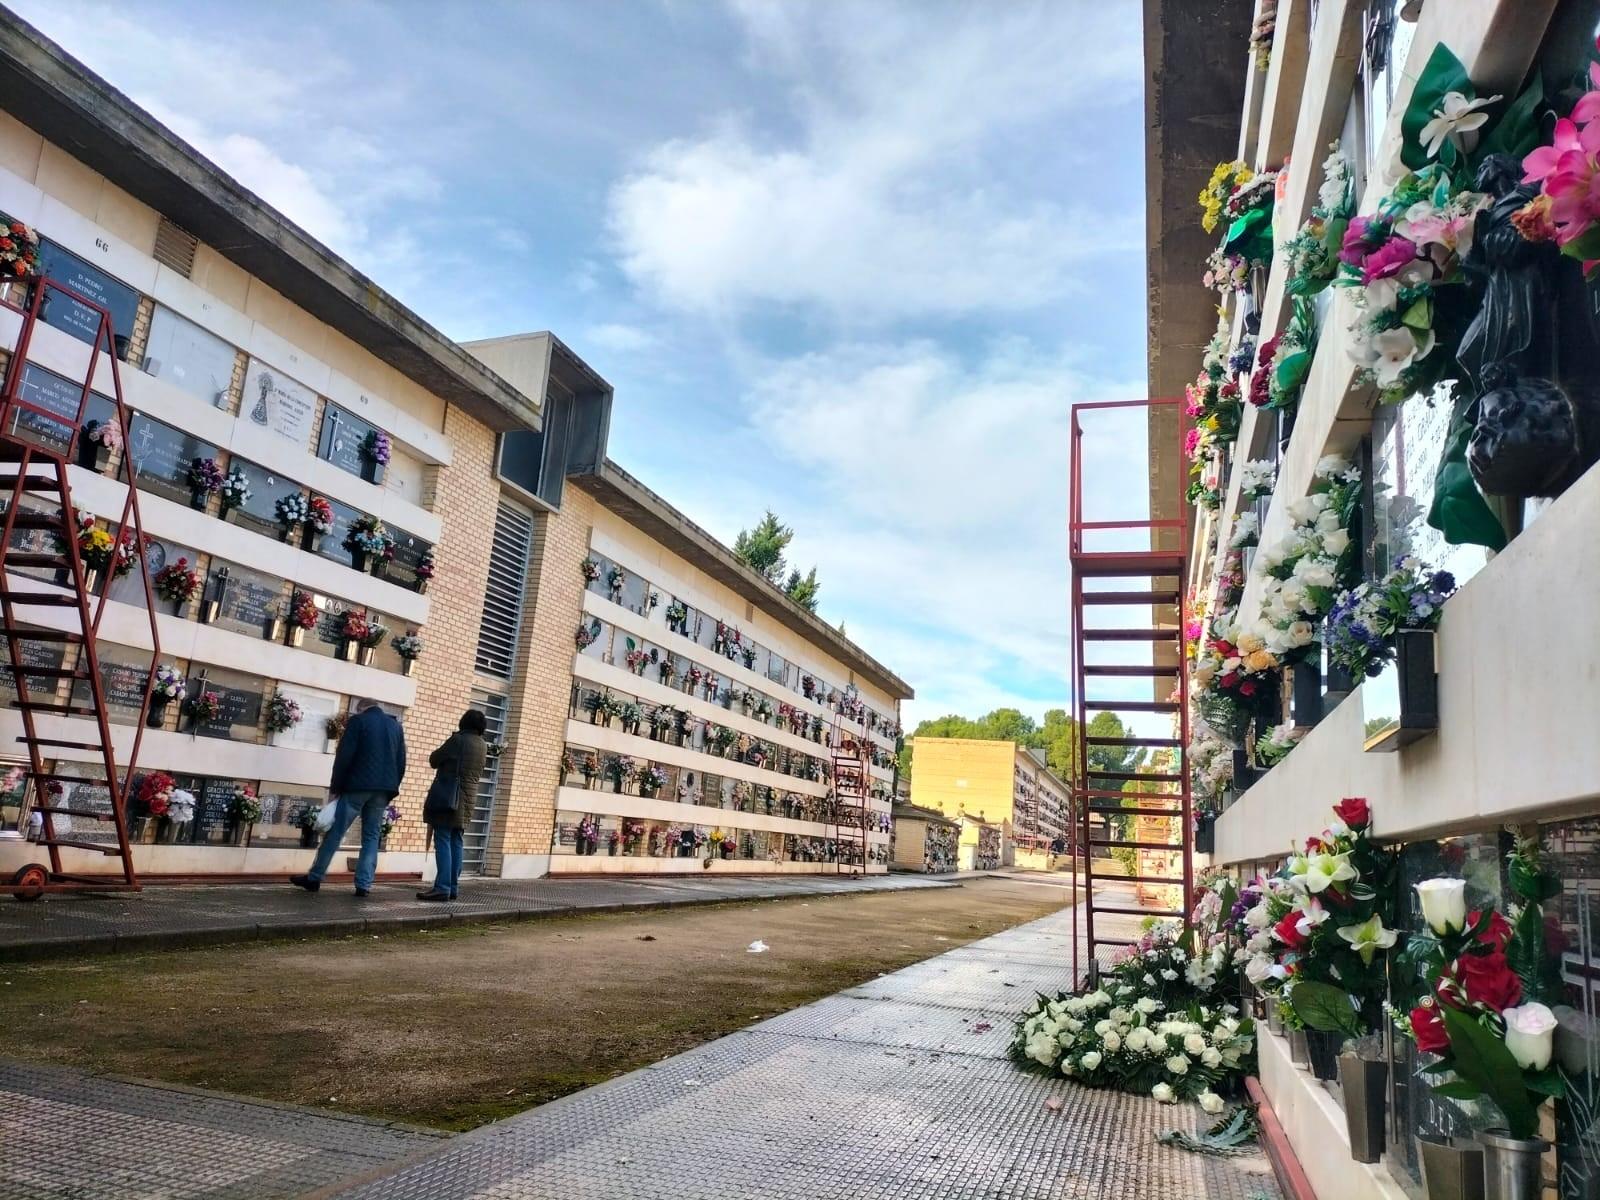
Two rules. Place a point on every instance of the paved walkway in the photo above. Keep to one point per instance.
(73, 1135)
(60, 925)
(896, 1089)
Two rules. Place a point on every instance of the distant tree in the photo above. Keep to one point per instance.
(803, 589)
(762, 547)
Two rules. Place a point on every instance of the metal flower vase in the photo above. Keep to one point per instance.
(1364, 1083)
(1323, 1049)
(1453, 1169)
(1299, 1051)
(1511, 1166)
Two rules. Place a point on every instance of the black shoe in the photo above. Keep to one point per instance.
(434, 896)
(362, 892)
(305, 881)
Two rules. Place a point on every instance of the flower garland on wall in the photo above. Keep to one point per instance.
(1166, 1021)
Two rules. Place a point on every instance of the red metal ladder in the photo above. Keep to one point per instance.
(36, 445)
(1149, 575)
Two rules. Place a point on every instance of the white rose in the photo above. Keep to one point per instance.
(1147, 1004)
(1112, 1042)
(1162, 1093)
(1194, 1043)
(1090, 1061)
(1178, 1064)
(1258, 917)
(1211, 1057)
(1336, 542)
(1149, 979)
(1444, 904)
(1137, 1038)
(1101, 1028)
(1168, 974)
(1530, 1030)
(1210, 1102)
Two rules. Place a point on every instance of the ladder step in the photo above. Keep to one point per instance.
(53, 672)
(102, 847)
(1150, 706)
(36, 520)
(55, 706)
(48, 599)
(1136, 812)
(1130, 635)
(33, 483)
(1124, 911)
(1119, 844)
(1110, 941)
(1132, 741)
(69, 636)
(1161, 597)
(72, 812)
(59, 778)
(20, 558)
(1135, 671)
(69, 745)
(1132, 565)
(1096, 876)
(1103, 794)
(1135, 777)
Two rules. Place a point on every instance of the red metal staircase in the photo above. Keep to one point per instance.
(852, 784)
(1117, 565)
(63, 708)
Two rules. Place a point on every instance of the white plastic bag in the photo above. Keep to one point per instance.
(325, 816)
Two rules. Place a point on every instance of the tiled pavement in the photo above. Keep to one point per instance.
(72, 1135)
(68, 925)
(894, 1090)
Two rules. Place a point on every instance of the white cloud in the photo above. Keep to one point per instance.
(903, 187)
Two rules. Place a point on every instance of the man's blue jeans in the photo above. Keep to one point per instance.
(448, 845)
(369, 806)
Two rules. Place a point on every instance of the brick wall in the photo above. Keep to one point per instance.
(542, 682)
(465, 496)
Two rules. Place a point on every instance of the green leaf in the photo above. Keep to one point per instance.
(1324, 1007)
(1457, 1089)
(1585, 246)
(1459, 510)
(630, 643)
(1547, 1082)
(1482, 1059)
(1419, 316)
(1517, 130)
(1444, 73)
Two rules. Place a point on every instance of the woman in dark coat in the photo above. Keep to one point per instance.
(458, 765)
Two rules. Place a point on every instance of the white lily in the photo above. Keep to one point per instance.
(1369, 937)
(1325, 870)
(1456, 115)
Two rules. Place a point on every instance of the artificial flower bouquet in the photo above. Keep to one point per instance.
(590, 570)
(319, 515)
(1486, 984)
(303, 610)
(1312, 255)
(1280, 739)
(1364, 621)
(408, 645)
(1565, 211)
(1341, 925)
(176, 583)
(152, 793)
(369, 536)
(283, 713)
(243, 806)
(204, 708)
(1257, 479)
(19, 249)
(169, 684)
(205, 477)
(235, 489)
(1305, 570)
(377, 447)
(292, 510)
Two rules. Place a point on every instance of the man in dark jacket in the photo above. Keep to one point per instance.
(367, 771)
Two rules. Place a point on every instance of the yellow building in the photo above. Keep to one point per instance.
(995, 783)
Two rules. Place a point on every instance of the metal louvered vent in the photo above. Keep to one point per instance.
(175, 247)
(502, 598)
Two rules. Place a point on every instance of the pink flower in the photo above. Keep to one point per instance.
(1574, 187)
(1191, 439)
(1538, 165)
(1388, 259)
(1360, 236)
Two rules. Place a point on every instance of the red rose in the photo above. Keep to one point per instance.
(1354, 812)
(1496, 934)
(1427, 1026)
(1288, 932)
(1313, 845)
(1488, 980)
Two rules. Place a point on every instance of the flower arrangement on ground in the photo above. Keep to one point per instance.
(1364, 621)
(204, 708)
(283, 714)
(19, 249)
(1486, 984)
(1163, 1022)
(176, 583)
(408, 645)
(235, 489)
(205, 477)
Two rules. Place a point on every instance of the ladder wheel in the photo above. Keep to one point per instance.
(29, 881)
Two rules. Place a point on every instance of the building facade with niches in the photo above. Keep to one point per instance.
(316, 456)
(1340, 449)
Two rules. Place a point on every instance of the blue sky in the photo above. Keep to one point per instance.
(850, 261)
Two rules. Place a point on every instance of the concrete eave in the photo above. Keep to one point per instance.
(643, 508)
(901, 811)
(72, 107)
